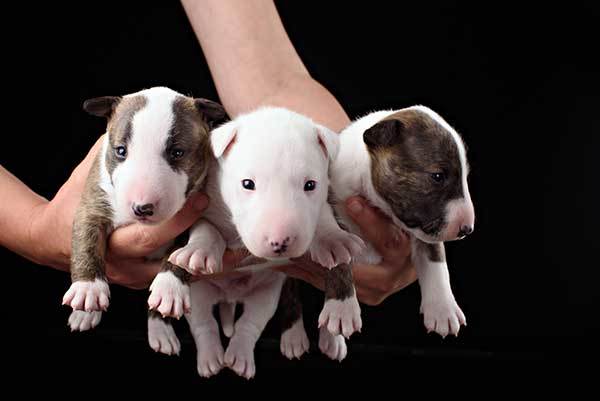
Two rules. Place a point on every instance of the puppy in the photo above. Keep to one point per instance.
(268, 191)
(155, 153)
(412, 165)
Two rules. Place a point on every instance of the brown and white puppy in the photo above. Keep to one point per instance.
(156, 151)
(412, 165)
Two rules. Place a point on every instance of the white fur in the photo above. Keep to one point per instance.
(81, 320)
(169, 295)
(88, 295)
(334, 346)
(162, 338)
(294, 341)
(341, 316)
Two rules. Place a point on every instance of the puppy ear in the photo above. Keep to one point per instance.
(222, 138)
(102, 106)
(213, 113)
(329, 141)
(384, 133)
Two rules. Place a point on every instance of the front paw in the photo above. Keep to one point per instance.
(443, 316)
(341, 316)
(81, 320)
(332, 346)
(169, 295)
(88, 295)
(336, 248)
(239, 356)
(199, 257)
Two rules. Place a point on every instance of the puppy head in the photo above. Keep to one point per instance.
(157, 151)
(419, 168)
(274, 166)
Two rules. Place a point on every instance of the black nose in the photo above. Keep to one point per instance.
(143, 210)
(465, 230)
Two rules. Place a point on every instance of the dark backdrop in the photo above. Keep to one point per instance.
(518, 82)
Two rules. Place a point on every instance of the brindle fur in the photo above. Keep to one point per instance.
(405, 149)
(435, 252)
(290, 305)
(339, 283)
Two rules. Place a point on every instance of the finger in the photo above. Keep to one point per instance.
(233, 258)
(377, 228)
(304, 274)
(374, 283)
(136, 274)
(137, 240)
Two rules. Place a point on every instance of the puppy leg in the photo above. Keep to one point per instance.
(170, 291)
(203, 252)
(161, 336)
(204, 328)
(80, 320)
(341, 311)
(332, 346)
(294, 341)
(331, 245)
(259, 308)
(440, 311)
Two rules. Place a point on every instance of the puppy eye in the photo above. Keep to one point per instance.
(248, 184)
(121, 152)
(310, 185)
(438, 177)
(177, 154)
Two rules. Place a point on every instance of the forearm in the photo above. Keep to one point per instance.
(18, 206)
(253, 62)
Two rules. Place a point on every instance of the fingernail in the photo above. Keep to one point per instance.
(355, 207)
(200, 202)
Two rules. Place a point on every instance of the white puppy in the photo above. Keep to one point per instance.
(268, 191)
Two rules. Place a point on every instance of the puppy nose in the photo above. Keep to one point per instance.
(143, 210)
(465, 230)
(280, 246)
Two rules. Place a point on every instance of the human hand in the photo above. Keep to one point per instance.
(374, 283)
(51, 230)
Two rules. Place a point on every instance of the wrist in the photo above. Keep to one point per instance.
(42, 237)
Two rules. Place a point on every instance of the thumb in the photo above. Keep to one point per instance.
(137, 240)
(375, 227)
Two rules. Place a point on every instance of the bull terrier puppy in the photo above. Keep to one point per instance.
(412, 165)
(156, 151)
(268, 193)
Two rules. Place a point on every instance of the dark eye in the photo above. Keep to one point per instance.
(121, 152)
(248, 184)
(438, 177)
(177, 154)
(310, 185)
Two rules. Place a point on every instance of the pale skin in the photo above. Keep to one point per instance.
(253, 63)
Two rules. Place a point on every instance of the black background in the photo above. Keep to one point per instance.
(518, 82)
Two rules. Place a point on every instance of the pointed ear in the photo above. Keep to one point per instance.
(222, 138)
(384, 133)
(102, 106)
(329, 141)
(213, 112)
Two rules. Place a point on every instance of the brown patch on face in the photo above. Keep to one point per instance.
(189, 135)
(408, 150)
(93, 219)
(434, 252)
(290, 304)
(119, 128)
(339, 283)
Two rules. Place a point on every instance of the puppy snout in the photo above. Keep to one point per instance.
(281, 245)
(144, 210)
(465, 230)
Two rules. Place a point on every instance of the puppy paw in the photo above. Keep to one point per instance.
(169, 296)
(239, 356)
(210, 356)
(336, 248)
(332, 346)
(200, 257)
(442, 316)
(294, 341)
(341, 316)
(162, 338)
(81, 320)
(90, 296)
